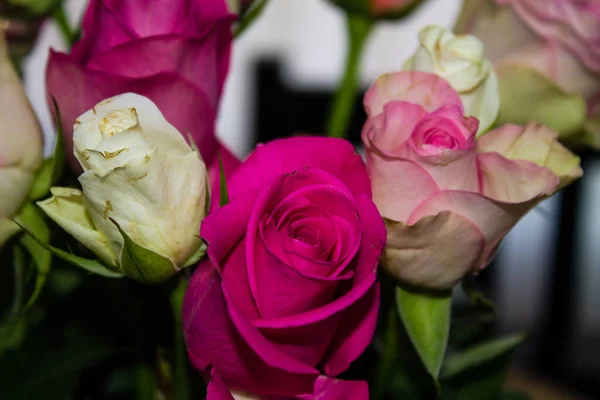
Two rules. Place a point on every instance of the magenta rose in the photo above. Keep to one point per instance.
(175, 52)
(289, 297)
(448, 199)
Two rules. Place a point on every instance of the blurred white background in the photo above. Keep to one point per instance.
(308, 36)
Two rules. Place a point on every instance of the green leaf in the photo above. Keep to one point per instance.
(92, 266)
(141, 264)
(194, 258)
(12, 333)
(223, 183)
(247, 16)
(479, 354)
(527, 95)
(469, 287)
(426, 317)
(182, 378)
(33, 218)
(53, 167)
(515, 395)
(35, 7)
(52, 375)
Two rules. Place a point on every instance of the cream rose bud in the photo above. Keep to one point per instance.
(461, 61)
(139, 173)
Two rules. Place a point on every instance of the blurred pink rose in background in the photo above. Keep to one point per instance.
(547, 57)
(290, 292)
(175, 52)
(447, 199)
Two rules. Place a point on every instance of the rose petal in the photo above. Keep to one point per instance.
(227, 251)
(335, 389)
(494, 219)
(393, 127)
(212, 338)
(434, 252)
(216, 389)
(284, 156)
(515, 181)
(203, 61)
(398, 185)
(353, 334)
(427, 90)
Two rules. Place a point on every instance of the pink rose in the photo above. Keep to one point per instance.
(175, 52)
(448, 200)
(575, 24)
(546, 54)
(289, 297)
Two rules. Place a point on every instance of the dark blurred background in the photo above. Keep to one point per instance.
(546, 278)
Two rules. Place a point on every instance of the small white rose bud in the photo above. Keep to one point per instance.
(461, 61)
(139, 176)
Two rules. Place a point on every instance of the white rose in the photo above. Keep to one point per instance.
(140, 173)
(460, 60)
(20, 144)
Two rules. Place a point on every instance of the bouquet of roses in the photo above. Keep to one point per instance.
(304, 271)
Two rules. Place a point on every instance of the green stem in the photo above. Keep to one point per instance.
(390, 349)
(60, 17)
(19, 270)
(181, 378)
(343, 103)
(145, 387)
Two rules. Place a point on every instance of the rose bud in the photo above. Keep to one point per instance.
(460, 60)
(141, 177)
(384, 9)
(547, 57)
(447, 199)
(21, 144)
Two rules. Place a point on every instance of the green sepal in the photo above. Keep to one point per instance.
(196, 256)
(224, 199)
(92, 266)
(475, 296)
(480, 354)
(248, 15)
(53, 167)
(141, 264)
(33, 218)
(426, 317)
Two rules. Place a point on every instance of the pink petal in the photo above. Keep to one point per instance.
(494, 219)
(390, 130)
(427, 90)
(213, 339)
(398, 185)
(354, 333)
(335, 389)
(514, 181)
(201, 61)
(96, 21)
(227, 251)
(216, 389)
(284, 156)
(435, 252)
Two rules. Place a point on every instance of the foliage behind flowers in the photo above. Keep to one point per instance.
(260, 280)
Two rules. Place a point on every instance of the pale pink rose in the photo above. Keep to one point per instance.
(449, 200)
(560, 39)
(575, 24)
